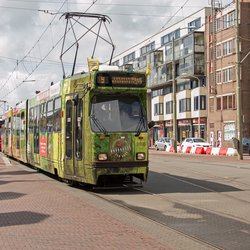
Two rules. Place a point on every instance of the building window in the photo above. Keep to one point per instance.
(177, 34)
(218, 76)
(224, 102)
(168, 38)
(228, 102)
(196, 103)
(231, 102)
(231, 18)
(224, 22)
(129, 57)
(228, 20)
(200, 102)
(148, 48)
(218, 50)
(227, 75)
(196, 24)
(169, 107)
(211, 104)
(185, 105)
(218, 21)
(218, 103)
(158, 92)
(158, 109)
(167, 90)
(203, 102)
(228, 47)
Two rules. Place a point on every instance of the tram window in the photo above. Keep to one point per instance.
(6, 132)
(57, 114)
(31, 117)
(69, 128)
(43, 118)
(18, 123)
(117, 114)
(49, 116)
(22, 123)
(36, 130)
(14, 124)
(78, 129)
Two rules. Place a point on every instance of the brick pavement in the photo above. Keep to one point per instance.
(36, 214)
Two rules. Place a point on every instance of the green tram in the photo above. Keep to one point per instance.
(89, 128)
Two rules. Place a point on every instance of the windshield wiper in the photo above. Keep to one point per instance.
(140, 125)
(98, 124)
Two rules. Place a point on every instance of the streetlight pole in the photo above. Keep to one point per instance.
(238, 84)
(185, 76)
(175, 136)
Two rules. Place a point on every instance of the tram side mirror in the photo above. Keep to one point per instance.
(151, 124)
(76, 99)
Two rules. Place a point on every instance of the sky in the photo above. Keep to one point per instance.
(32, 32)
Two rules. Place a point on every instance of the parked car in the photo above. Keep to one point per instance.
(195, 142)
(162, 143)
(246, 145)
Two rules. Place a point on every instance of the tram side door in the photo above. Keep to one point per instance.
(74, 137)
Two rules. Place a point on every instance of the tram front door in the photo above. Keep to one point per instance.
(74, 137)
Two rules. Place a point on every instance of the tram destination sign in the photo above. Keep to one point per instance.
(118, 79)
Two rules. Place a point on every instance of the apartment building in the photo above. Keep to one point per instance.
(175, 57)
(221, 73)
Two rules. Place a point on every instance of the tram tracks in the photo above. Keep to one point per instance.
(188, 208)
(188, 172)
(209, 189)
(225, 216)
(216, 177)
(206, 244)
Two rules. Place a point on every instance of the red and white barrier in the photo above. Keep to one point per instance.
(221, 151)
(170, 149)
(203, 150)
(186, 149)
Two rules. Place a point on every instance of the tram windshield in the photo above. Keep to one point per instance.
(117, 114)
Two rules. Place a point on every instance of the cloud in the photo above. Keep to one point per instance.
(132, 22)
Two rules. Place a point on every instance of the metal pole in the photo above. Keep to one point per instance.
(238, 84)
(199, 116)
(199, 100)
(174, 98)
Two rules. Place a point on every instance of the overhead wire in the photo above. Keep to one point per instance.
(40, 62)
(3, 85)
(108, 4)
(175, 14)
(94, 2)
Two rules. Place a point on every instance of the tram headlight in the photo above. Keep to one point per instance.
(140, 156)
(102, 157)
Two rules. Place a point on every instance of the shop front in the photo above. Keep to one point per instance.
(169, 129)
(185, 129)
(200, 127)
(156, 132)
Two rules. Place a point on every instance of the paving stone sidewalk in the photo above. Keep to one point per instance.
(36, 214)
